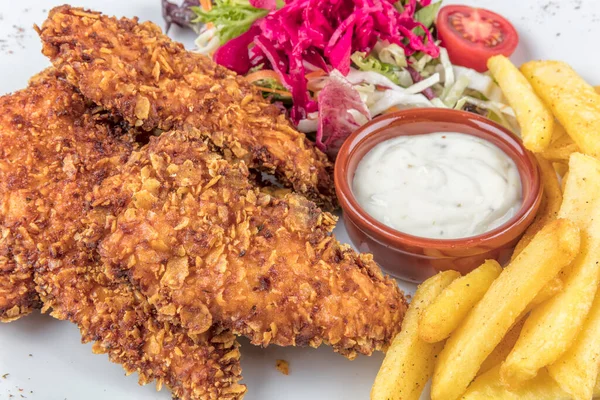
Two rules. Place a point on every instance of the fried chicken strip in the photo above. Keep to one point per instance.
(56, 150)
(140, 74)
(39, 183)
(207, 247)
(121, 322)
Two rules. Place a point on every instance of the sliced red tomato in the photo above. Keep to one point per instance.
(472, 35)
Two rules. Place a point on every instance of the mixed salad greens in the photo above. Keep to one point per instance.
(335, 64)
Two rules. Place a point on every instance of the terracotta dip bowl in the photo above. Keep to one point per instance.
(415, 258)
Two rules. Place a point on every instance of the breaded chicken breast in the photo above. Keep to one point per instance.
(55, 151)
(47, 165)
(152, 82)
(207, 247)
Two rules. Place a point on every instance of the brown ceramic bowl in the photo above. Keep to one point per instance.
(415, 258)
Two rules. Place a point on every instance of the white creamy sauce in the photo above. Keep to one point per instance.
(440, 185)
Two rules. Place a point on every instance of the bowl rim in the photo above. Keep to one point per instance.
(386, 234)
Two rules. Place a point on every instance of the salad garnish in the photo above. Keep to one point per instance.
(341, 112)
(376, 56)
(231, 18)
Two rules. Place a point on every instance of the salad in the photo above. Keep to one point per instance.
(336, 64)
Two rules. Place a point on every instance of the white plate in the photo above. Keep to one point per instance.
(44, 358)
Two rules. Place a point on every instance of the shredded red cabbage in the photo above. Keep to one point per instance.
(336, 122)
(266, 4)
(308, 34)
(234, 54)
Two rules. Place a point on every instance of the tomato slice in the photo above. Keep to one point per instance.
(472, 35)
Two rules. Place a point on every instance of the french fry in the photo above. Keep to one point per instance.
(448, 310)
(554, 246)
(501, 351)
(561, 150)
(551, 201)
(561, 168)
(576, 371)
(552, 288)
(561, 144)
(409, 361)
(504, 348)
(558, 133)
(564, 182)
(552, 327)
(573, 102)
(536, 120)
(542, 387)
(597, 89)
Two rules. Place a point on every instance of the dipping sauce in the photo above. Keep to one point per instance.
(442, 185)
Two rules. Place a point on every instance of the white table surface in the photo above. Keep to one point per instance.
(43, 357)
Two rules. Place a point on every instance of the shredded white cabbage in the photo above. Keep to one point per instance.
(453, 93)
(424, 84)
(455, 87)
(208, 41)
(393, 98)
(404, 78)
(369, 85)
(488, 104)
(309, 124)
(447, 68)
(421, 63)
(359, 117)
(505, 113)
(482, 83)
(365, 91)
(356, 77)
(391, 53)
(437, 102)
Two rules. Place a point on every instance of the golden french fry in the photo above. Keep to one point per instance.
(552, 288)
(409, 361)
(573, 102)
(448, 310)
(535, 119)
(551, 201)
(559, 132)
(542, 387)
(564, 182)
(560, 150)
(576, 371)
(597, 89)
(554, 246)
(508, 342)
(501, 351)
(551, 328)
(561, 168)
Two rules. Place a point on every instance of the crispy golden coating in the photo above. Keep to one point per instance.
(46, 166)
(17, 290)
(54, 152)
(120, 320)
(207, 247)
(140, 74)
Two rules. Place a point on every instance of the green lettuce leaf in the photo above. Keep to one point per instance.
(231, 17)
(426, 15)
(370, 63)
